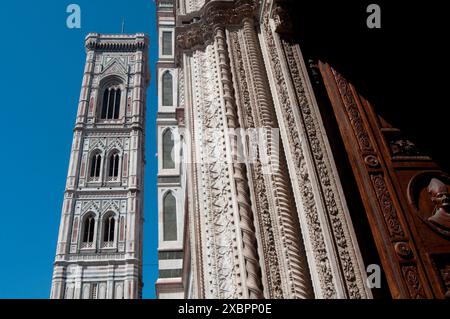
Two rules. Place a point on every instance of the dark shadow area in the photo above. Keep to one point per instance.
(401, 68)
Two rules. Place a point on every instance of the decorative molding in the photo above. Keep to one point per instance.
(323, 203)
(116, 42)
(249, 243)
(341, 225)
(314, 228)
(270, 256)
(403, 250)
(387, 207)
(411, 276)
(290, 246)
(197, 29)
(358, 126)
(220, 255)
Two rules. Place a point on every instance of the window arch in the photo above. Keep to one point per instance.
(167, 89)
(167, 150)
(170, 217)
(88, 229)
(113, 165)
(109, 228)
(111, 103)
(96, 163)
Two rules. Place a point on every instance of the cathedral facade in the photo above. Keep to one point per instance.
(99, 250)
(263, 214)
(277, 177)
(280, 174)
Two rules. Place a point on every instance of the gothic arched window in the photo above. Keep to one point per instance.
(113, 170)
(88, 229)
(96, 162)
(111, 103)
(109, 225)
(167, 89)
(170, 217)
(167, 150)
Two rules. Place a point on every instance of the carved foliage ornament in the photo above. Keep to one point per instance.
(314, 227)
(220, 246)
(197, 28)
(333, 205)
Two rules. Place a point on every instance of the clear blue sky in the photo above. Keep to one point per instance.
(41, 73)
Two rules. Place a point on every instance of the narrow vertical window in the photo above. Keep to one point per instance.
(167, 89)
(167, 43)
(105, 104)
(96, 165)
(94, 290)
(116, 104)
(88, 229)
(114, 165)
(108, 229)
(111, 104)
(167, 148)
(170, 217)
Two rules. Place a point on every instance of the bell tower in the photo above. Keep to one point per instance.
(99, 250)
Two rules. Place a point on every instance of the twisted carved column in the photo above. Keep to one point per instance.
(250, 253)
(298, 277)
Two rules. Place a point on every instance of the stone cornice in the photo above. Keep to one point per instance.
(197, 28)
(117, 42)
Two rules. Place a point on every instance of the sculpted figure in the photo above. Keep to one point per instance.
(441, 198)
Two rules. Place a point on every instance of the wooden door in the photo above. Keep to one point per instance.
(405, 194)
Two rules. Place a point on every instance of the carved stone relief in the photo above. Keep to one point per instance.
(300, 127)
(221, 269)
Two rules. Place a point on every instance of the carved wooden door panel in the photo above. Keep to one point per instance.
(405, 195)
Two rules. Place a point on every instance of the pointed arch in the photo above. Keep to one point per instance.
(95, 164)
(167, 89)
(88, 228)
(113, 164)
(111, 93)
(168, 144)
(169, 217)
(109, 227)
(111, 103)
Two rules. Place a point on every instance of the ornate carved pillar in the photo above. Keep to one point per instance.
(334, 259)
(249, 244)
(228, 252)
(285, 266)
